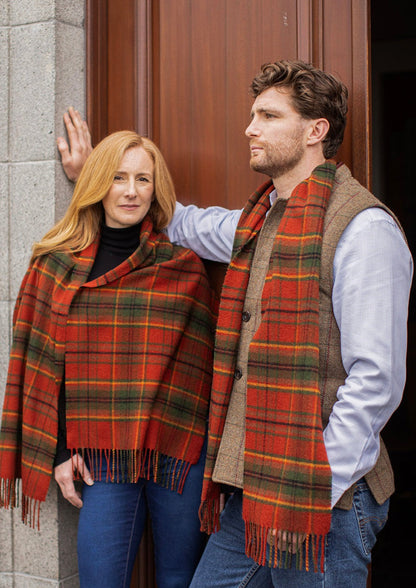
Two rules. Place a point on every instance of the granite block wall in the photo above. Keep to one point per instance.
(42, 72)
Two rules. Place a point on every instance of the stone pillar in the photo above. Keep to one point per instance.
(42, 72)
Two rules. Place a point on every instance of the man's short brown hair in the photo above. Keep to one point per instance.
(315, 94)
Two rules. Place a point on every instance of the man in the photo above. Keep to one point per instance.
(310, 348)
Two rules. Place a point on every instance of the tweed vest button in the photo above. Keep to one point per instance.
(246, 316)
(238, 374)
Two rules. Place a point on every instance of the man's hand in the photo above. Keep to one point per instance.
(64, 475)
(74, 156)
(287, 541)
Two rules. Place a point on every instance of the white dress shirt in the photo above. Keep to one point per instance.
(372, 277)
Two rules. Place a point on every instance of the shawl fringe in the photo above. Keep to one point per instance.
(31, 512)
(9, 493)
(127, 466)
(10, 497)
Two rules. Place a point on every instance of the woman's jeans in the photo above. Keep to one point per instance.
(347, 552)
(111, 525)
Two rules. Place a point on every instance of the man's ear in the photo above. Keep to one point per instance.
(318, 130)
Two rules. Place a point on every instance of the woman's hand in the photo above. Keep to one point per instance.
(74, 155)
(64, 475)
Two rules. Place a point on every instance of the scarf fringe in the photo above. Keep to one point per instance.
(128, 465)
(10, 497)
(209, 515)
(263, 547)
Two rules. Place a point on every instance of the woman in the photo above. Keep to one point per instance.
(110, 370)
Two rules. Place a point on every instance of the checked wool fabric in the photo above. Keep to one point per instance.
(287, 478)
(134, 348)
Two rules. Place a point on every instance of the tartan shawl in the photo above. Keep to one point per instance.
(287, 478)
(134, 348)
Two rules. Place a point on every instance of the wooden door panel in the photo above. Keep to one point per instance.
(168, 119)
(191, 124)
(203, 99)
(122, 67)
(256, 33)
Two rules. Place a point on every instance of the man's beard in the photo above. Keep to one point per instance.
(276, 163)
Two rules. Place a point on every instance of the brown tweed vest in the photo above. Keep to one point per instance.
(347, 200)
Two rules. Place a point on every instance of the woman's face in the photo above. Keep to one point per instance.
(129, 198)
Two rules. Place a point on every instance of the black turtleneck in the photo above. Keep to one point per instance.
(115, 246)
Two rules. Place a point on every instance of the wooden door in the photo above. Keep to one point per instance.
(179, 72)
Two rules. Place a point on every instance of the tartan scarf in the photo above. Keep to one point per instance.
(134, 348)
(287, 478)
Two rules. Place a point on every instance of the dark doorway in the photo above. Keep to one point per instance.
(394, 155)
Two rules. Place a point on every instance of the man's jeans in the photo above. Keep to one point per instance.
(347, 552)
(111, 525)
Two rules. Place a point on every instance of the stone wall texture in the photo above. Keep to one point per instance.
(42, 72)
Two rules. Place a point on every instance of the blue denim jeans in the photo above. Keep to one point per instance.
(347, 551)
(111, 525)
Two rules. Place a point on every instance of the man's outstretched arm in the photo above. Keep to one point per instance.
(207, 231)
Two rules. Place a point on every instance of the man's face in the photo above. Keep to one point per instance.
(277, 134)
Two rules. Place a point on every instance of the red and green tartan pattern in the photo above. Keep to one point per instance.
(136, 349)
(287, 478)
